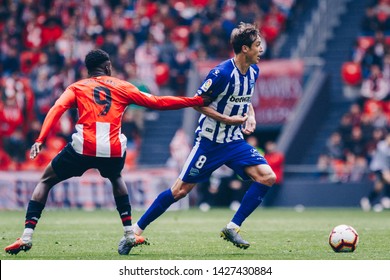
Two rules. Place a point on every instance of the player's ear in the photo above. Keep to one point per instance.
(107, 69)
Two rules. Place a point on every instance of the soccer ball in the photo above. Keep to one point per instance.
(343, 238)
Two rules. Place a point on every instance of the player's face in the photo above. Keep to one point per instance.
(255, 51)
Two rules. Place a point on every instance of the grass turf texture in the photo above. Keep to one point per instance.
(274, 234)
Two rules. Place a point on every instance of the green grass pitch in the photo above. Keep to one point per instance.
(274, 234)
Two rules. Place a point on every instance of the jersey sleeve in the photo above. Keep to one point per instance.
(213, 83)
(66, 101)
(164, 102)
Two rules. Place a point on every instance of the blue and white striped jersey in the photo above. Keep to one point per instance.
(233, 92)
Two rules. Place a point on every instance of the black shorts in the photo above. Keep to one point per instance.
(68, 163)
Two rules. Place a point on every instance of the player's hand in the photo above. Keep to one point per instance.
(207, 98)
(249, 126)
(235, 120)
(35, 150)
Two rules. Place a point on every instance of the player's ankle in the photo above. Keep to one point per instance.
(27, 235)
(137, 229)
(232, 225)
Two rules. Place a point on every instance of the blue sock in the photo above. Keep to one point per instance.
(251, 200)
(158, 207)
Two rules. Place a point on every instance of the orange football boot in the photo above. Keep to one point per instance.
(17, 246)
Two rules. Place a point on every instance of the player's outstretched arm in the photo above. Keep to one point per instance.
(229, 120)
(169, 102)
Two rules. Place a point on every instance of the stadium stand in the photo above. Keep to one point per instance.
(365, 80)
(155, 44)
(151, 43)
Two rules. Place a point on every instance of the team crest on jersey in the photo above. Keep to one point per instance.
(206, 85)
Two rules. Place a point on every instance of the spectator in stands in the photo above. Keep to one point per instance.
(325, 167)
(377, 135)
(356, 144)
(358, 52)
(275, 159)
(180, 65)
(10, 61)
(378, 118)
(380, 166)
(355, 113)
(179, 148)
(345, 127)
(382, 13)
(335, 146)
(386, 67)
(375, 86)
(370, 22)
(378, 48)
(146, 57)
(355, 167)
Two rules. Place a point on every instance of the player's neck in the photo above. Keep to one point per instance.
(241, 64)
(97, 74)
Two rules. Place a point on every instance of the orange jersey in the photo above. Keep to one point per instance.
(101, 102)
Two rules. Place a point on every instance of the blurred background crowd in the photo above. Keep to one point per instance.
(350, 148)
(151, 43)
(154, 44)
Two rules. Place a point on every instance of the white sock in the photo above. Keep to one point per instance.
(127, 228)
(27, 234)
(232, 225)
(137, 229)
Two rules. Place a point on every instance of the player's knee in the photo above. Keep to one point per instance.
(268, 179)
(272, 179)
(179, 194)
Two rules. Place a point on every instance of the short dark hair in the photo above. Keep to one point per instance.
(95, 58)
(243, 35)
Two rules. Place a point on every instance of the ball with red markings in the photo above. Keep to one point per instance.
(343, 238)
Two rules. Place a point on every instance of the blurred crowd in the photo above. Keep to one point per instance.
(151, 43)
(366, 75)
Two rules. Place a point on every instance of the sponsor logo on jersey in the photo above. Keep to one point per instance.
(209, 130)
(194, 172)
(206, 85)
(216, 72)
(240, 99)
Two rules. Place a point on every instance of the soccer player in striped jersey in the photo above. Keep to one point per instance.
(219, 137)
(97, 143)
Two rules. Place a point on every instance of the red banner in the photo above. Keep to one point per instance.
(277, 90)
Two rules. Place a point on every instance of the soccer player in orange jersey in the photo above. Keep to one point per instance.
(97, 143)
